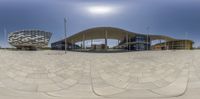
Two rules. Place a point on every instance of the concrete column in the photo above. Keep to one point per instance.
(83, 41)
(72, 44)
(147, 41)
(127, 41)
(91, 43)
(81, 44)
(106, 36)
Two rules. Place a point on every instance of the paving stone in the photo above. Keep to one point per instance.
(52, 74)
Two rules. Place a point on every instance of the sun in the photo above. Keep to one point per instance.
(100, 9)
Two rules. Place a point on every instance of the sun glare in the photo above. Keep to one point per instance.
(100, 10)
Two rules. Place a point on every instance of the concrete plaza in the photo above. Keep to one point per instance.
(78, 75)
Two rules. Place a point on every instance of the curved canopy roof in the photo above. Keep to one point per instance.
(111, 32)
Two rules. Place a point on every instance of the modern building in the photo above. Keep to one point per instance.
(173, 45)
(99, 47)
(29, 39)
(126, 40)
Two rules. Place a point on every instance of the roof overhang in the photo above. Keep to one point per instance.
(109, 33)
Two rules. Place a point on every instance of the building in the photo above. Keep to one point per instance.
(99, 47)
(174, 45)
(29, 39)
(138, 42)
(126, 40)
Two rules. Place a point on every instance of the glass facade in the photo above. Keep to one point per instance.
(138, 43)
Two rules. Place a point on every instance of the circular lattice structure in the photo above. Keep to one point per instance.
(29, 39)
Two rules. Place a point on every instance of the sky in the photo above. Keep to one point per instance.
(176, 18)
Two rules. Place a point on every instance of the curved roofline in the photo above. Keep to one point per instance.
(119, 30)
(94, 28)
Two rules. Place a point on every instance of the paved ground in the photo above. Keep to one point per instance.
(76, 75)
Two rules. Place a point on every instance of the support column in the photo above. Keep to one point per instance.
(127, 41)
(91, 43)
(81, 44)
(160, 44)
(118, 44)
(106, 36)
(147, 42)
(72, 45)
(83, 41)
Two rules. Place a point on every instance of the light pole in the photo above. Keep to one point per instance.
(65, 31)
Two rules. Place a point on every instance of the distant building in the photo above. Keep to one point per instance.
(29, 39)
(99, 47)
(174, 45)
